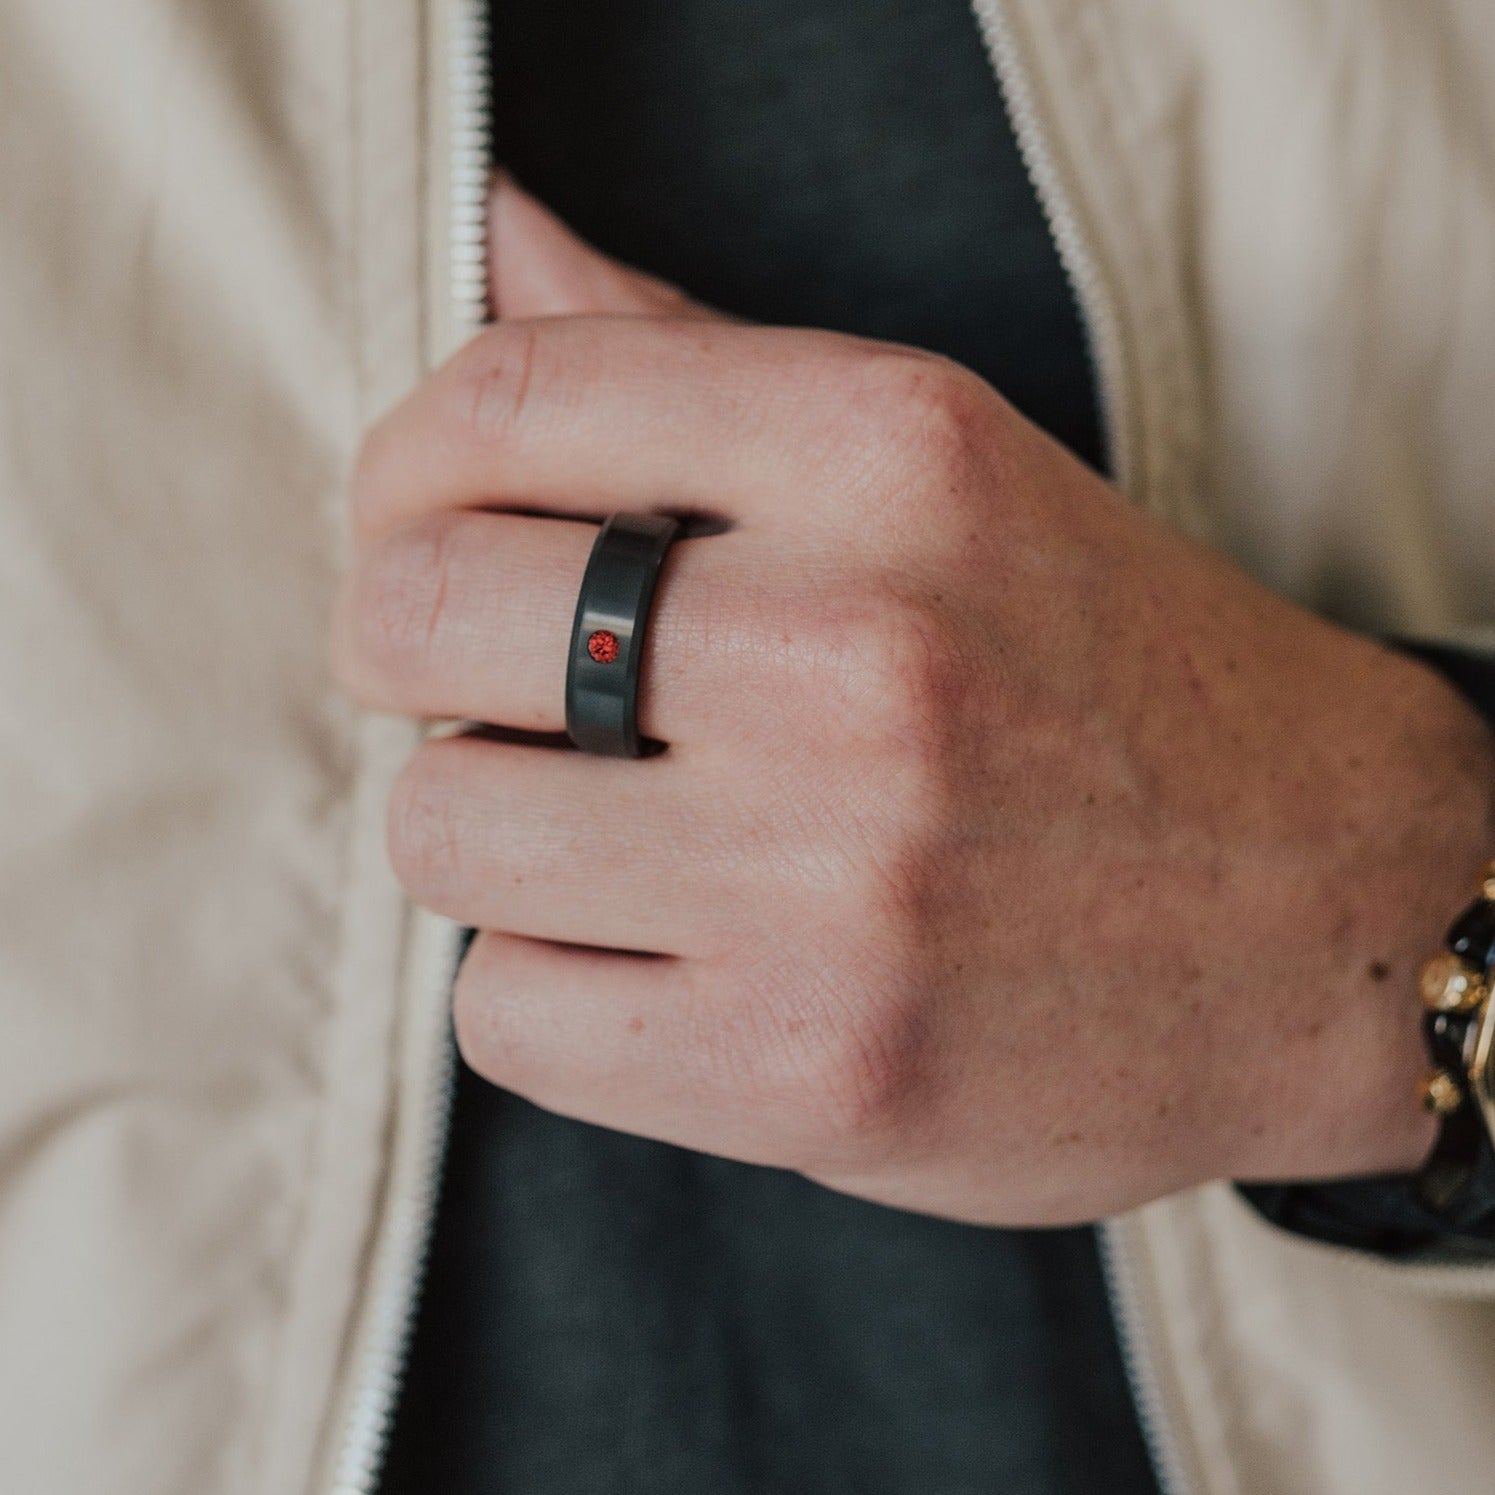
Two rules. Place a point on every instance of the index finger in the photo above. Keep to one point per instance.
(583, 416)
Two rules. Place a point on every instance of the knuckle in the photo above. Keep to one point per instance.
(477, 1019)
(926, 414)
(470, 1014)
(426, 829)
(871, 1082)
(399, 601)
(852, 1070)
(494, 998)
(899, 675)
(496, 375)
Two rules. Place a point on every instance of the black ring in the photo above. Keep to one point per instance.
(607, 637)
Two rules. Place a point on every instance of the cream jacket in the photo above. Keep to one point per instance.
(229, 235)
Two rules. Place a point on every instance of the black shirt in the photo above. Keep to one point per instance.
(605, 1314)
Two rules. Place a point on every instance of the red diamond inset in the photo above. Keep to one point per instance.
(603, 646)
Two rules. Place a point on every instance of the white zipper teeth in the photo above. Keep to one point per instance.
(391, 1314)
(394, 1295)
(1097, 311)
(1103, 336)
(1136, 1355)
(470, 83)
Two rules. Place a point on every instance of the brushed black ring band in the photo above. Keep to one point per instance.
(607, 636)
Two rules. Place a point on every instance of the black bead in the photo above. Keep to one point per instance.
(1454, 1163)
(1446, 1034)
(1472, 937)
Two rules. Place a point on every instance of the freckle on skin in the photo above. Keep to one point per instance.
(1316, 1028)
(1195, 680)
(1380, 970)
(1163, 1108)
(1069, 1139)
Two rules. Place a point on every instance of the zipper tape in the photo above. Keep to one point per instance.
(460, 120)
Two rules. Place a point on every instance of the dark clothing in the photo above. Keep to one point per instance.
(609, 1314)
(828, 163)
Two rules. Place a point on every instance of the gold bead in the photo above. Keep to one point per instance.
(1440, 1093)
(1487, 882)
(1448, 985)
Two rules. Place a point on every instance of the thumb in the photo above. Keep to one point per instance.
(538, 268)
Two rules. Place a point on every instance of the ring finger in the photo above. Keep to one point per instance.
(468, 614)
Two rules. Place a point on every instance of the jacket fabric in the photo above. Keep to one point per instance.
(231, 236)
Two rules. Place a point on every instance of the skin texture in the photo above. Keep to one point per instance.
(1011, 857)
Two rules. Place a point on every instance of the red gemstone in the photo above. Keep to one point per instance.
(603, 646)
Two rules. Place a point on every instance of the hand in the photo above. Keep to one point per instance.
(1012, 857)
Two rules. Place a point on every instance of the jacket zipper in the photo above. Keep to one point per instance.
(470, 123)
(409, 1215)
(1098, 316)
(1102, 328)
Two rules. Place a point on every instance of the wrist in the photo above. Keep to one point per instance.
(1416, 810)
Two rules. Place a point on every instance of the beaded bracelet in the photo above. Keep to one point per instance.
(1458, 1179)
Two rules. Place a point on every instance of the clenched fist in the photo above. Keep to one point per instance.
(1009, 856)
